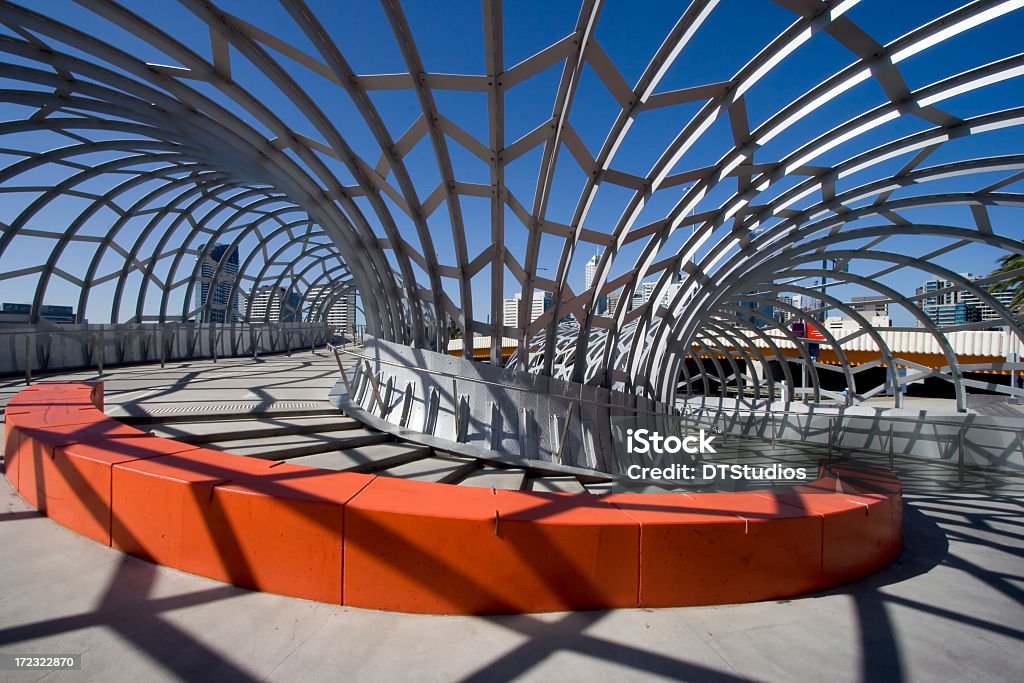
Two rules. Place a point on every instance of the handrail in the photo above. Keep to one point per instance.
(962, 428)
(486, 382)
(836, 421)
(48, 348)
(843, 415)
(685, 409)
(156, 327)
(837, 428)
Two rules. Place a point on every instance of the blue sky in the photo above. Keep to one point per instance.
(449, 35)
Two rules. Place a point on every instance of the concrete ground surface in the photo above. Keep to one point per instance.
(950, 608)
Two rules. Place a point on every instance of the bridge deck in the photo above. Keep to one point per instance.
(948, 608)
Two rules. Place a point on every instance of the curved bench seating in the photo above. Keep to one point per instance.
(386, 543)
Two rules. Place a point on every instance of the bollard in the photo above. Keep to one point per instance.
(773, 430)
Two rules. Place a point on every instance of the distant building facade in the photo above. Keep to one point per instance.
(589, 275)
(946, 305)
(273, 305)
(21, 314)
(613, 302)
(215, 285)
(870, 306)
(340, 315)
(510, 308)
(784, 314)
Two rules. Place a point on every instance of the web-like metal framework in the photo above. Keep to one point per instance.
(874, 166)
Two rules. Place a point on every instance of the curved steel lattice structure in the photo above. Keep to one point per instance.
(829, 160)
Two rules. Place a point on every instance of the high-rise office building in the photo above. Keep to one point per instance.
(986, 312)
(216, 274)
(645, 290)
(590, 272)
(947, 305)
(759, 312)
(510, 307)
(340, 309)
(643, 293)
(783, 313)
(510, 310)
(541, 303)
(613, 302)
(589, 275)
(273, 305)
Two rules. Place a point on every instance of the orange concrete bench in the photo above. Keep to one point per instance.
(385, 543)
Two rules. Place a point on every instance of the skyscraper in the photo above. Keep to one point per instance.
(613, 302)
(510, 308)
(947, 304)
(216, 275)
(273, 304)
(590, 271)
(589, 275)
(643, 293)
(340, 314)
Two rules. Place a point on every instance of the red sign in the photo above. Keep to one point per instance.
(806, 331)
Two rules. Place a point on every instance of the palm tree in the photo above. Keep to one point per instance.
(1008, 264)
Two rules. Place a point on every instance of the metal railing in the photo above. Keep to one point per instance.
(521, 416)
(476, 380)
(50, 349)
(764, 424)
(875, 434)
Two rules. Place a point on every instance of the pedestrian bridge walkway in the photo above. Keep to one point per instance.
(947, 608)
